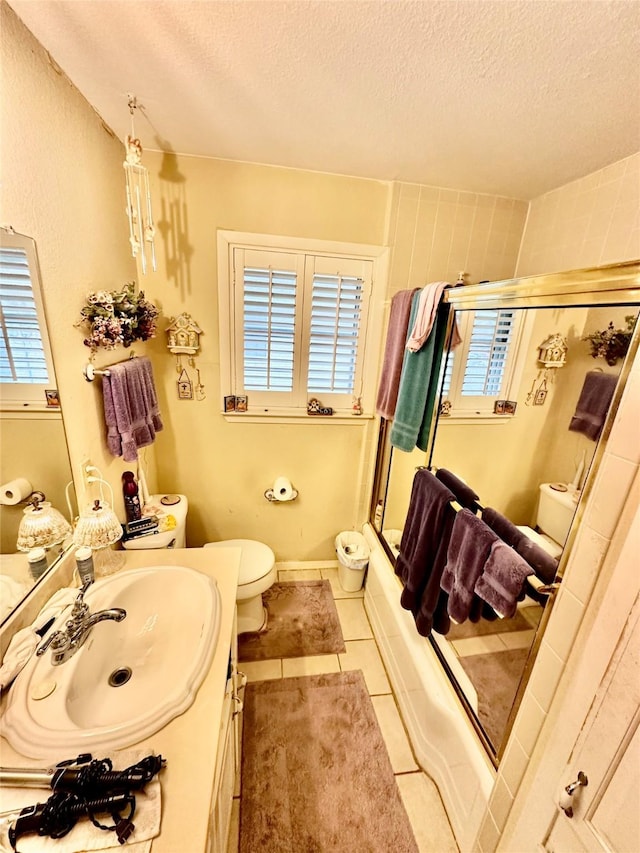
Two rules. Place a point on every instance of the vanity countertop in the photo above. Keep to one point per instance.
(189, 741)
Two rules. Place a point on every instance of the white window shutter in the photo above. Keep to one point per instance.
(22, 358)
(488, 353)
(269, 303)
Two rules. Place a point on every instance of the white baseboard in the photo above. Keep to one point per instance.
(298, 565)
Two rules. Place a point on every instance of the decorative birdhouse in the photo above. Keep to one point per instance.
(184, 335)
(552, 352)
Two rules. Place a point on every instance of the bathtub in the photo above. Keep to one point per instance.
(443, 740)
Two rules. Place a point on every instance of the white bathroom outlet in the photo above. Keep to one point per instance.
(86, 466)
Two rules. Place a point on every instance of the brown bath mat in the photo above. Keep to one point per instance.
(316, 774)
(484, 626)
(303, 621)
(495, 677)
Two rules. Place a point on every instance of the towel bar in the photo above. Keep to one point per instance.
(90, 372)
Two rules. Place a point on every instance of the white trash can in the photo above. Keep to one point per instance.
(353, 559)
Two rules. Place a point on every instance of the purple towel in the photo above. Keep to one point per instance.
(543, 564)
(423, 548)
(502, 527)
(131, 410)
(468, 551)
(394, 353)
(463, 494)
(501, 582)
(593, 404)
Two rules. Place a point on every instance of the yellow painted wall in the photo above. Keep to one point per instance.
(224, 468)
(62, 184)
(34, 448)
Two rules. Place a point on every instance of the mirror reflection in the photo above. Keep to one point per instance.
(522, 404)
(34, 462)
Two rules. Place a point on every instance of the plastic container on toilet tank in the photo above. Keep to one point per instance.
(173, 538)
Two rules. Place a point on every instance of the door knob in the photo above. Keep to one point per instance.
(566, 795)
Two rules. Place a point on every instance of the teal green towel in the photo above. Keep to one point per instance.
(419, 385)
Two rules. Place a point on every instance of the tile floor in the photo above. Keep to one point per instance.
(420, 795)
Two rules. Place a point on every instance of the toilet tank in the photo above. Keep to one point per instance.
(555, 512)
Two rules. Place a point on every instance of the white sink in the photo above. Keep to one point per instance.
(129, 678)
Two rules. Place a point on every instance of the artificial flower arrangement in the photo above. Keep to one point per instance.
(118, 317)
(611, 344)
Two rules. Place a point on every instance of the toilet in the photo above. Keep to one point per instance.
(556, 508)
(256, 575)
(175, 538)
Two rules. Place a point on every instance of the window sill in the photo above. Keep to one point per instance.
(293, 416)
(36, 411)
(484, 418)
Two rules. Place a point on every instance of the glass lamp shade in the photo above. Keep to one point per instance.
(42, 526)
(97, 527)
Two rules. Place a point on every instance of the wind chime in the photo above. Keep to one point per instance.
(184, 339)
(141, 228)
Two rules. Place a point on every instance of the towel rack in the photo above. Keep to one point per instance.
(90, 372)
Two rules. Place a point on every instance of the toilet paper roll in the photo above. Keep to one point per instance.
(14, 491)
(283, 490)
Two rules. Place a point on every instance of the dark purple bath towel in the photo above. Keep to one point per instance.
(501, 582)
(468, 551)
(463, 494)
(593, 404)
(423, 548)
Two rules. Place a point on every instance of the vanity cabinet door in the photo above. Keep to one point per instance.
(222, 800)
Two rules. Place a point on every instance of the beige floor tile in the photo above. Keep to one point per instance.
(261, 670)
(518, 639)
(313, 665)
(234, 829)
(332, 576)
(533, 614)
(299, 575)
(428, 818)
(364, 655)
(478, 645)
(353, 619)
(394, 735)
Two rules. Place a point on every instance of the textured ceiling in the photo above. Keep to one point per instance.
(506, 97)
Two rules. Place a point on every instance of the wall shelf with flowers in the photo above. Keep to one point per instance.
(117, 318)
(611, 343)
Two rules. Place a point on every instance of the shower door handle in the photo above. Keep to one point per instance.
(566, 795)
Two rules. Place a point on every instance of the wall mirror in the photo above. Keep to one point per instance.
(34, 447)
(508, 395)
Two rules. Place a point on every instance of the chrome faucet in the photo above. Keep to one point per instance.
(64, 644)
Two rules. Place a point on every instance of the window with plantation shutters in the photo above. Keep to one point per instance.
(25, 365)
(481, 369)
(298, 322)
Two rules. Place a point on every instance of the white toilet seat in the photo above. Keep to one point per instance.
(545, 542)
(257, 570)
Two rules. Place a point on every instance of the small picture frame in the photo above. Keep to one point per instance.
(510, 407)
(230, 403)
(541, 396)
(242, 401)
(52, 398)
(499, 407)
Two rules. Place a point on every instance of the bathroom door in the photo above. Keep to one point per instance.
(606, 813)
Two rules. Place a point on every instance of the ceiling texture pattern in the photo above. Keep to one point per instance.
(512, 97)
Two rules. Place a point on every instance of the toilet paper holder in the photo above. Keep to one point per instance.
(281, 492)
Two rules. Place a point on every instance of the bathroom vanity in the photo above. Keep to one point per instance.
(200, 745)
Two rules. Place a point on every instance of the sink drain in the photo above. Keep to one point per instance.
(120, 676)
